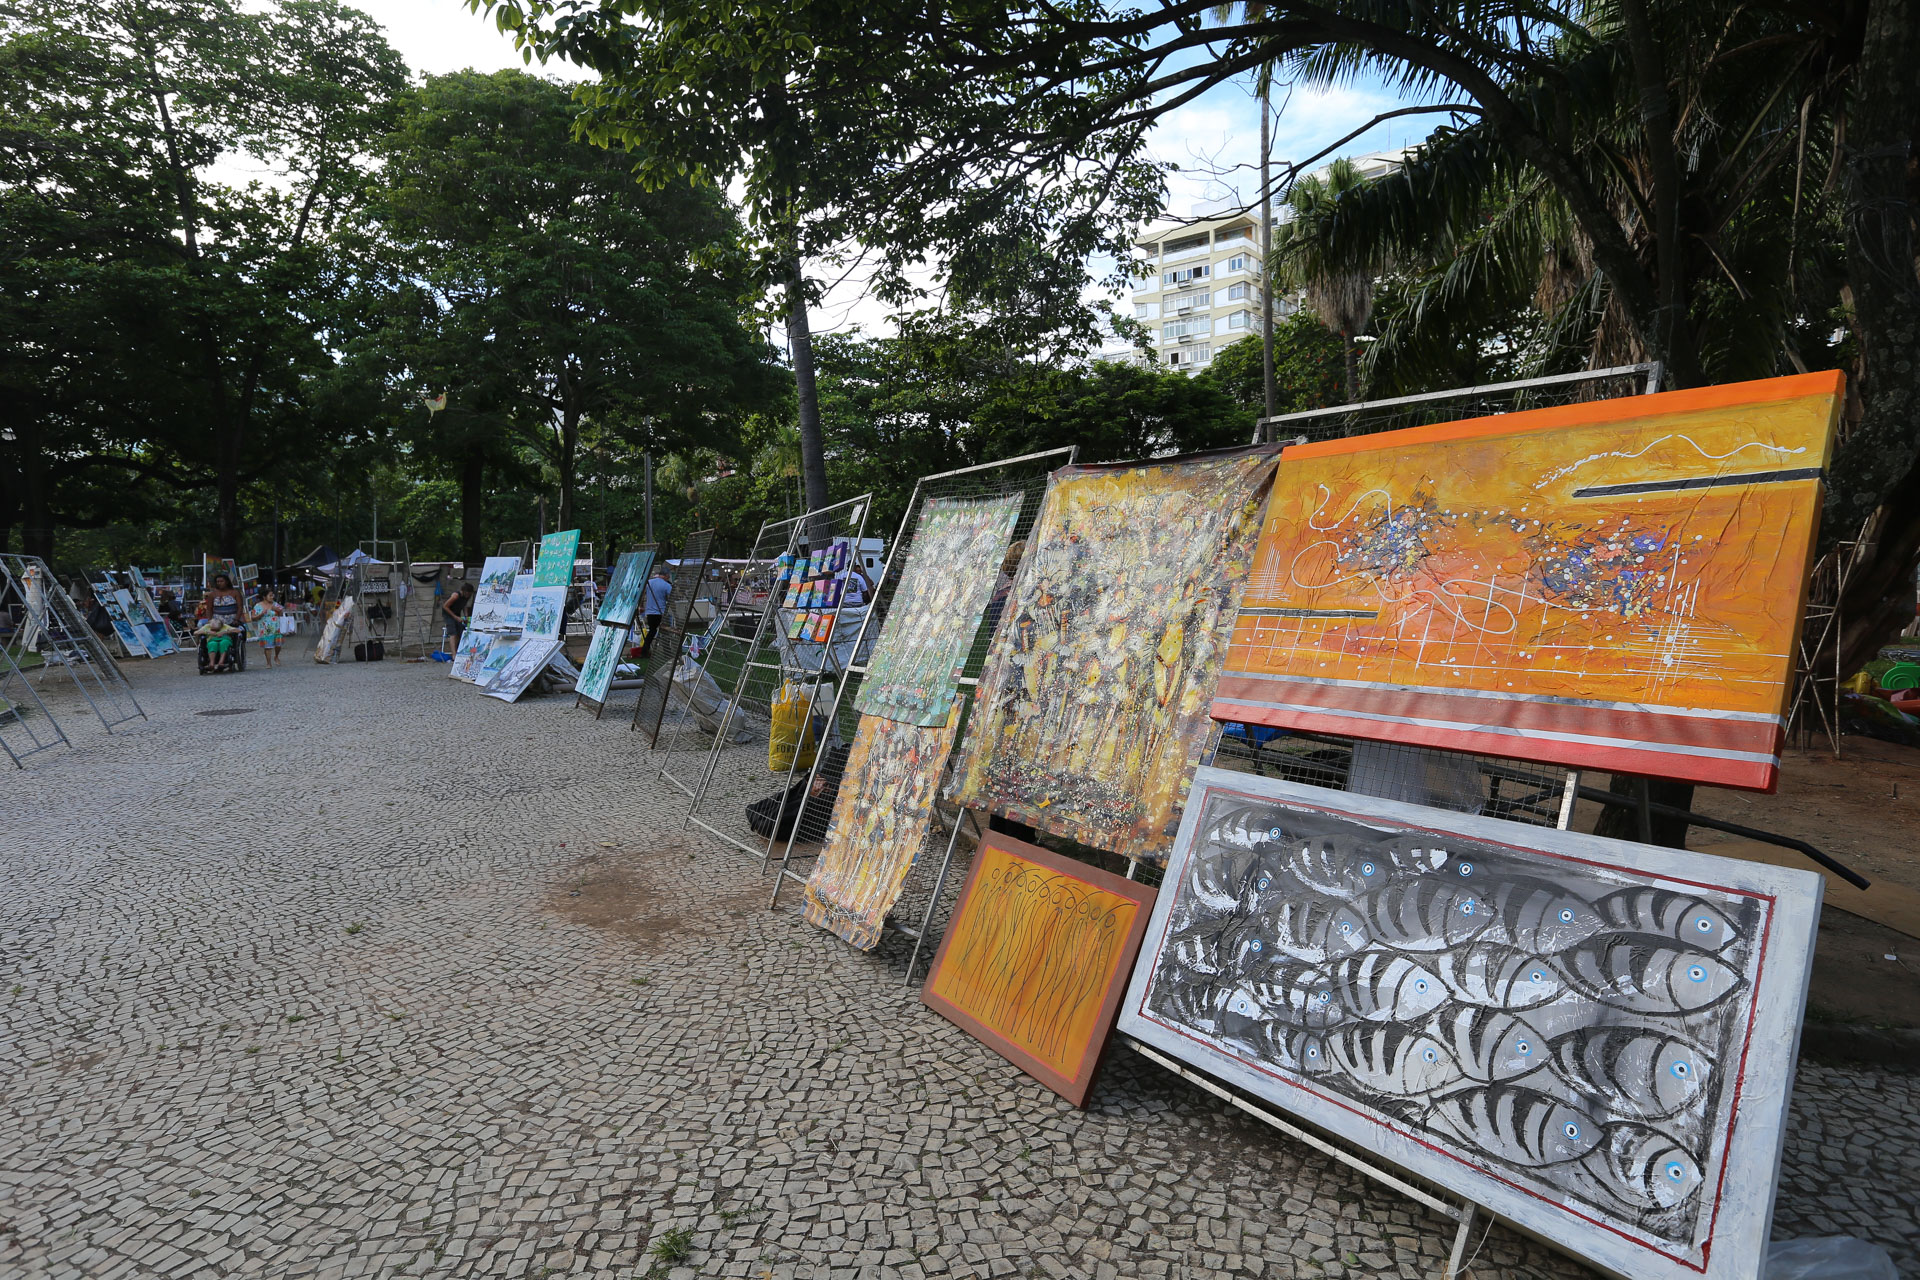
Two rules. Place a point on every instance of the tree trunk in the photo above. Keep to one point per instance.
(1880, 465)
(1351, 349)
(36, 494)
(473, 471)
(813, 455)
(568, 465)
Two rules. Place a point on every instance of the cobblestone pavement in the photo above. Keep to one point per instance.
(383, 978)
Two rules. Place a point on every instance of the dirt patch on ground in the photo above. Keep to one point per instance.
(648, 896)
(1855, 981)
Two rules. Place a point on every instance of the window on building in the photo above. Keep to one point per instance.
(1238, 320)
(1187, 302)
(1146, 311)
(1190, 242)
(1231, 234)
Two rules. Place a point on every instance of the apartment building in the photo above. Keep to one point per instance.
(1201, 277)
(1204, 288)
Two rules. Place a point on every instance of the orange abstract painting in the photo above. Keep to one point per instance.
(1037, 958)
(1614, 585)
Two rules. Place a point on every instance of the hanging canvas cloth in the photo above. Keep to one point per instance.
(1092, 709)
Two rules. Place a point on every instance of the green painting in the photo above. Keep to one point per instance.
(958, 545)
(554, 567)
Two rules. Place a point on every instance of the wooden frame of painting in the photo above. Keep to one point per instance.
(1594, 1040)
(1092, 937)
(1615, 584)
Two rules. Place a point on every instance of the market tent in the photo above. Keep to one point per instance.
(322, 554)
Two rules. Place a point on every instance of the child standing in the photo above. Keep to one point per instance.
(265, 617)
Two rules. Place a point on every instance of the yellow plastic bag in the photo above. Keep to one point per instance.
(792, 731)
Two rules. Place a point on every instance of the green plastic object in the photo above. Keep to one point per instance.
(1901, 675)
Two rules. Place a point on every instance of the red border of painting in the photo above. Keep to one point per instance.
(1076, 1087)
(1733, 1108)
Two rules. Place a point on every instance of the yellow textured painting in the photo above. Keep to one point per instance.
(879, 822)
(1612, 585)
(1092, 709)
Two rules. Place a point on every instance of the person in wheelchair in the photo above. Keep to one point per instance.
(224, 607)
(219, 644)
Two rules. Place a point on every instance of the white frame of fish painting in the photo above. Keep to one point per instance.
(1592, 1039)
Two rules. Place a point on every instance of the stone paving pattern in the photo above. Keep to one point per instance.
(387, 978)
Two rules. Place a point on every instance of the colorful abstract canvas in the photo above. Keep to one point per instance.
(1610, 585)
(1092, 710)
(1593, 1039)
(553, 565)
(880, 820)
(958, 545)
(1037, 957)
(603, 655)
(629, 576)
(492, 598)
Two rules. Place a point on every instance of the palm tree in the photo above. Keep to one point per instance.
(1338, 282)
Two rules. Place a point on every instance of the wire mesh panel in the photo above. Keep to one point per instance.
(664, 650)
(59, 629)
(774, 725)
(733, 658)
(1371, 416)
(1024, 479)
(26, 726)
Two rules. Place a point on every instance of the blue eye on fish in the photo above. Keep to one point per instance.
(1648, 974)
(1640, 1071)
(1333, 868)
(1516, 1124)
(1644, 1170)
(1490, 1046)
(1380, 987)
(1539, 917)
(1681, 916)
(1424, 915)
(1496, 976)
(1314, 929)
(1393, 1060)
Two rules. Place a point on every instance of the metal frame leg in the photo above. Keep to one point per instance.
(939, 883)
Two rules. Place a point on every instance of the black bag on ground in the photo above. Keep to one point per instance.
(376, 650)
(360, 651)
(775, 814)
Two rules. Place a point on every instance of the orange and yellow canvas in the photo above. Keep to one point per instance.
(1614, 585)
(1037, 957)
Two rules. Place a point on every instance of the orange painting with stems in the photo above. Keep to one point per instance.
(1037, 958)
(1613, 585)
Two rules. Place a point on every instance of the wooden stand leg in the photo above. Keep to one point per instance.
(1457, 1258)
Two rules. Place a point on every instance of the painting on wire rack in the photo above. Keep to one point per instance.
(546, 612)
(630, 573)
(880, 820)
(1593, 1039)
(958, 546)
(1610, 585)
(1037, 958)
(553, 565)
(596, 670)
(1092, 711)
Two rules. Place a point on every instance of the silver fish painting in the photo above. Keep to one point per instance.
(1560, 1024)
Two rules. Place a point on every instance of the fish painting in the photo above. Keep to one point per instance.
(1556, 1023)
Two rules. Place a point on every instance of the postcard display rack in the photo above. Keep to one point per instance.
(1023, 478)
(803, 640)
(55, 625)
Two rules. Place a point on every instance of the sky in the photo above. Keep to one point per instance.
(1214, 140)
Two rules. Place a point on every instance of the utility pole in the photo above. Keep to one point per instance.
(1266, 247)
(646, 460)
